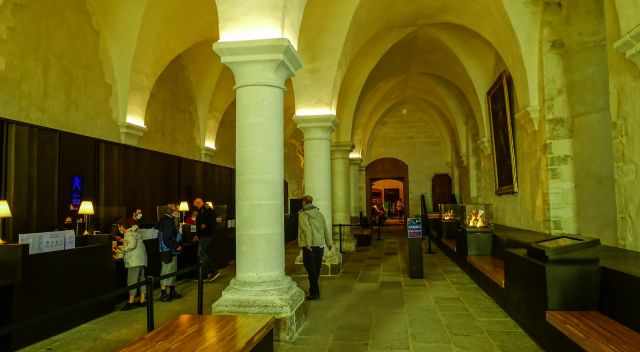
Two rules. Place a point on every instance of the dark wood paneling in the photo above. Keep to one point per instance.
(40, 163)
(78, 157)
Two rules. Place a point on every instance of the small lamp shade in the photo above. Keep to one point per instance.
(5, 210)
(86, 208)
(184, 206)
(210, 204)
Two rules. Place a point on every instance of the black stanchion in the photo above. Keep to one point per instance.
(340, 231)
(150, 318)
(200, 289)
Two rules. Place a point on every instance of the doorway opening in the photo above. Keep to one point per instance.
(388, 195)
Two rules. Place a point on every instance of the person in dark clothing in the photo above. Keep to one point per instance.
(206, 228)
(169, 238)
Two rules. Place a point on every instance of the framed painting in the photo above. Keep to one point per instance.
(500, 101)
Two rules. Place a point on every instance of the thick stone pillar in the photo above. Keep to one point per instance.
(342, 192)
(362, 184)
(260, 68)
(356, 205)
(317, 130)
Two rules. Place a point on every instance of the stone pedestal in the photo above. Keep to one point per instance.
(260, 68)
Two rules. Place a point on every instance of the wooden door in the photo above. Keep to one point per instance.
(441, 190)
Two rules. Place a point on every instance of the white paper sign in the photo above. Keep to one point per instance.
(43, 242)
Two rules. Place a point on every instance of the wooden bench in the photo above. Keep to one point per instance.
(492, 267)
(450, 243)
(229, 333)
(594, 331)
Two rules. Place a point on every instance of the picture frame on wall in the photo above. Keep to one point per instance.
(500, 102)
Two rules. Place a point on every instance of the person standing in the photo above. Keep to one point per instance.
(313, 236)
(169, 241)
(205, 232)
(135, 260)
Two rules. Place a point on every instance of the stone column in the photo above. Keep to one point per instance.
(342, 192)
(362, 184)
(561, 207)
(356, 205)
(317, 130)
(260, 68)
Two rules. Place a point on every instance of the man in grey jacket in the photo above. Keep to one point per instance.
(313, 236)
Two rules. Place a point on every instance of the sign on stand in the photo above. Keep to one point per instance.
(414, 227)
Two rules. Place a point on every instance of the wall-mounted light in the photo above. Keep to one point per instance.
(136, 121)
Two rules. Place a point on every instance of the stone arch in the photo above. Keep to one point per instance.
(387, 168)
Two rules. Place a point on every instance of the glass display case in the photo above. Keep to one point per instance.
(450, 212)
(477, 217)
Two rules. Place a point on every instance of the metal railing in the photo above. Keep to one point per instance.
(341, 231)
(149, 282)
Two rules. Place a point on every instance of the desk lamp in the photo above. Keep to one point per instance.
(86, 209)
(5, 212)
(183, 208)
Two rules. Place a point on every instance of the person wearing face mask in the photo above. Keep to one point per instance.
(169, 238)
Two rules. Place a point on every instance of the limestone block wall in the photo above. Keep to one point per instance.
(525, 209)
(418, 139)
(171, 115)
(624, 99)
(51, 72)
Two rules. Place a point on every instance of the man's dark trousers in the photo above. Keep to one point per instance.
(312, 260)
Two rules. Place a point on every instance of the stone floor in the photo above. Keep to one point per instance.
(372, 306)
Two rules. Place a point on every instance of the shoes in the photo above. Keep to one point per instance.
(174, 295)
(312, 297)
(141, 304)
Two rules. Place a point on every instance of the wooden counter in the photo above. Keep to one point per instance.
(229, 333)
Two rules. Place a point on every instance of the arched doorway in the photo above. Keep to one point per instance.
(387, 180)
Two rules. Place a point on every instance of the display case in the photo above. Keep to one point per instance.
(450, 215)
(477, 217)
(475, 237)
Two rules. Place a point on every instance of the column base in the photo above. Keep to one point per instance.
(282, 299)
(331, 263)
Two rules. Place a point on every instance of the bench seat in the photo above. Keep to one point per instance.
(450, 243)
(594, 332)
(229, 333)
(492, 267)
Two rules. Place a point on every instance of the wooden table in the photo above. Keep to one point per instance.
(228, 333)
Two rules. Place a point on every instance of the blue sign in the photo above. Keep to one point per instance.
(414, 227)
(76, 190)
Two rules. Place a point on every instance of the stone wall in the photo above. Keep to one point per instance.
(171, 115)
(418, 139)
(51, 73)
(624, 98)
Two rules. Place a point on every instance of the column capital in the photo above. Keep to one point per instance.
(629, 45)
(341, 150)
(316, 127)
(263, 62)
(131, 134)
(355, 161)
(206, 154)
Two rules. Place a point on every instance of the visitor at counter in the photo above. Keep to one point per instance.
(135, 260)
(313, 236)
(192, 218)
(205, 232)
(170, 238)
